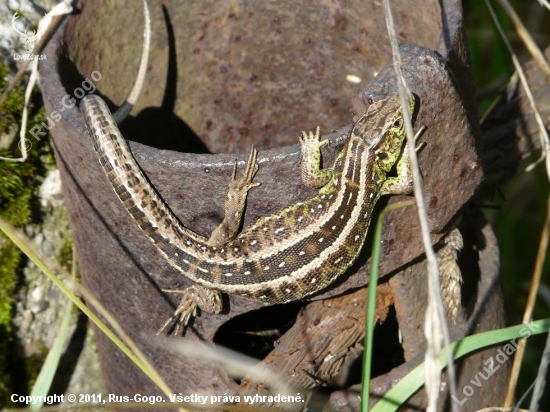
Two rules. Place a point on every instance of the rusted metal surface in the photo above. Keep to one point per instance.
(239, 73)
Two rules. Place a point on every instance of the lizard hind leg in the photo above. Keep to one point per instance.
(235, 202)
(208, 300)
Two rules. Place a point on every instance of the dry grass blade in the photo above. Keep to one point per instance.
(540, 382)
(236, 364)
(90, 298)
(48, 23)
(530, 305)
(28, 248)
(525, 36)
(124, 110)
(543, 245)
(495, 409)
(436, 328)
(36, 50)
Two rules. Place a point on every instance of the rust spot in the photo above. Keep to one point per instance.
(433, 202)
(340, 22)
(427, 60)
(244, 131)
(232, 16)
(253, 77)
(217, 101)
(236, 106)
(334, 102)
(209, 124)
(212, 215)
(250, 14)
(237, 38)
(196, 50)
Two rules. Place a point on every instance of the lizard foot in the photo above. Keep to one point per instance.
(195, 296)
(243, 184)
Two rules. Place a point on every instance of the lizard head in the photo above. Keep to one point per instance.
(382, 128)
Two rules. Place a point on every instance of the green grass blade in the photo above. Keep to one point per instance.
(45, 377)
(10, 232)
(371, 303)
(399, 394)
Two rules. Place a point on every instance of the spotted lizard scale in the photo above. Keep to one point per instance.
(282, 257)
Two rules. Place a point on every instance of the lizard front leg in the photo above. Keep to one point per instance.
(210, 300)
(402, 184)
(310, 166)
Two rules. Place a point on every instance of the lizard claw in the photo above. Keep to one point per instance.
(312, 140)
(186, 308)
(419, 146)
(244, 183)
(195, 296)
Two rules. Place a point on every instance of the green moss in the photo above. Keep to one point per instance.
(13, 106)
(19, 179)
(66, 255)
(18, 203)
(10, 258)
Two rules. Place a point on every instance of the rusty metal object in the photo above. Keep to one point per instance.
(223, 76)
(483, 298)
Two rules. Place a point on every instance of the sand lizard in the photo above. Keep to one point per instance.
(282, 257)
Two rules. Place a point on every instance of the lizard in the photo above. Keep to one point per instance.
(283, 257)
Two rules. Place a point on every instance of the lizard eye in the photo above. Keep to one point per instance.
(397, 123)
(382, 155)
